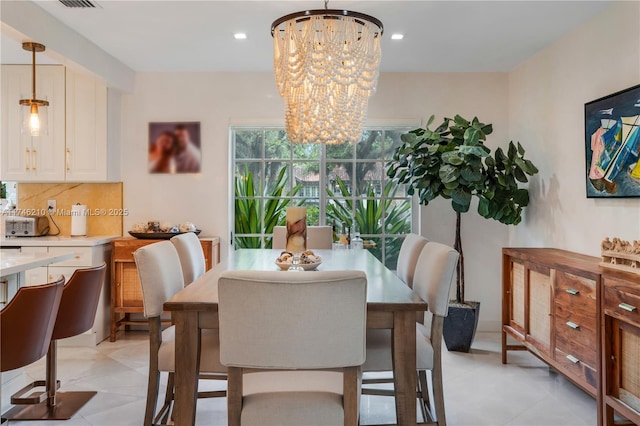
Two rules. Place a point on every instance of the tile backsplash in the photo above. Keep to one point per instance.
(104, 200)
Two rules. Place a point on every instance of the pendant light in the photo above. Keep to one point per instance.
(326, 65)
(34, 114)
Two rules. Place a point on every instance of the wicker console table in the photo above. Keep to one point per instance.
(126, 293)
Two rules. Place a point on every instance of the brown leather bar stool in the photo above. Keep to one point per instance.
(75, 316)
(26, 325)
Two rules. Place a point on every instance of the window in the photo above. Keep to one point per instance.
(339, 184)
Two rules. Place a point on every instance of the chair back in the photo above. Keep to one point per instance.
(288, 320)
(26, 324)
(79, 302)
(191, 256)
(160, 275)
(434, 274)
(279, 237)
(408, 258)
(318, 237)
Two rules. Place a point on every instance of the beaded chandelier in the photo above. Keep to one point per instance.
(326, 66)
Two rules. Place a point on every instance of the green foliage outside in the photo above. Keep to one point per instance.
(250, 218)
(371, 215)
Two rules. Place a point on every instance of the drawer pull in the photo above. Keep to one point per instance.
(573, 359)
(627, 307)
(572, 291)
(573, 325)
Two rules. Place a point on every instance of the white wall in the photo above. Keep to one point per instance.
(220, 99)
(546, 104)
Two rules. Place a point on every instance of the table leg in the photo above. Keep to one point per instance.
(404, 366)
(187, 362)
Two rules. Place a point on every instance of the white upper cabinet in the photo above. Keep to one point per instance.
(27, 158)
(86, 148)
(75, 148)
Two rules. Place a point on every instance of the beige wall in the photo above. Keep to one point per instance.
(546, 105)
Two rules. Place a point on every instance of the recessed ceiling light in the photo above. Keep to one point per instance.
(240, 36)
(397, 36)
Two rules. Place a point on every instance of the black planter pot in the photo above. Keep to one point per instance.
(460, 325)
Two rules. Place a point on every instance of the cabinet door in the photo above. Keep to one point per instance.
(47, 156)
(539, 315)
(15, 146)
(86, 121)
(36, 276)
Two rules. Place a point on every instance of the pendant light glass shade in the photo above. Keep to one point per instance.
(326, 66)
(34, 111)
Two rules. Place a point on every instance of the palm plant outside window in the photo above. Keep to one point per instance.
(339, 184)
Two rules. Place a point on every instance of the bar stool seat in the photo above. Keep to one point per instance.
(76, 315)
(26, 325)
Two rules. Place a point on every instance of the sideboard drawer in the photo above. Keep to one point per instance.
(620, 303)
(576, 367)
(576, 292)
(573, 342)
(576, 326)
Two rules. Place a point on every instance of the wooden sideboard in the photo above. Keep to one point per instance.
(550, 304)
(620, 346)
(581, 319)
(126, 293)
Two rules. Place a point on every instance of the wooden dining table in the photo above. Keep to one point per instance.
(390, 305)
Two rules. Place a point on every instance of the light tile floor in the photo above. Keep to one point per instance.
(479, 390)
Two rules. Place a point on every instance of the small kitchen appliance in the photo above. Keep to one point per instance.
(26, 226)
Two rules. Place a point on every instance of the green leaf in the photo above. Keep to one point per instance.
(471, 136)
(461, 197)
(473, 150)
(452, 157)
(519, 174)
(512, 151)
(460, 121)
(529, 168)
(483, 207)
(448, 173)
(490, 162)
(408, 138)
(471, 175)
(452, 185)
(521, 197)
(520, 149)
(430, 120)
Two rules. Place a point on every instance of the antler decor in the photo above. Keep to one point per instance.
(621, 254)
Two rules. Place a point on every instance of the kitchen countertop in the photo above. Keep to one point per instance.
(13, 263)
(49, 241)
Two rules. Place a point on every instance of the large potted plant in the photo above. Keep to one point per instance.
(453, 162)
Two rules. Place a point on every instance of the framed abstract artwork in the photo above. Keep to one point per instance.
(612, 145)
(174, 147)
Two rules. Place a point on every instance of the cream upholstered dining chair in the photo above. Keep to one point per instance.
(292, 321)
(379, 340)
(318, 237)
(161, 277)
(191, 256)
(433, 276)
(408, 257)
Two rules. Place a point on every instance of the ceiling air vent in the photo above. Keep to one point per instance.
(78, 3)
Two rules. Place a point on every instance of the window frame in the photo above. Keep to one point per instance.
(322, 197)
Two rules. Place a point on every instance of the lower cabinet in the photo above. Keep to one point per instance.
(621, 347)
(84, 257)
(550, 306)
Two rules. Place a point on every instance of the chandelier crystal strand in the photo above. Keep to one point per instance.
(326, 68)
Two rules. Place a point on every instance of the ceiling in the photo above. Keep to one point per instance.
(440, 36)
